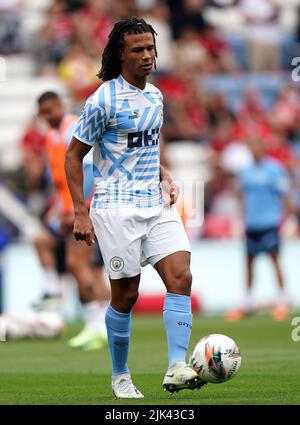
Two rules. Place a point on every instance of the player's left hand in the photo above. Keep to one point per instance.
(170, 192)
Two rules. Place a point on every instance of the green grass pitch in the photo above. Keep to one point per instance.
(48, 372)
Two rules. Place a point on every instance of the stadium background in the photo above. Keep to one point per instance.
(225, 69)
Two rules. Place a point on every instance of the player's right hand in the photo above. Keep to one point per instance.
(84, 229)
(170, 192)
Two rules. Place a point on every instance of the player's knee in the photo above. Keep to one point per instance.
(181, 282)
(41, 240)
(127, 302)
(131, 298)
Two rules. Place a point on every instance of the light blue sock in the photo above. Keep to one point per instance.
(178, 323)
(118, 334)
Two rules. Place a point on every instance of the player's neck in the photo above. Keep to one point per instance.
(139, 82)
(259, 159)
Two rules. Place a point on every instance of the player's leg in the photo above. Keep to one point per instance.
(124, 293)
(252, 247)
(278, 271)
(248, 303)
(103, 289)
(45, 244)
(119, 236)
(78, 260)
(174, 271)
(281, 309)
(249, 271)
(247, 306)
(167, 249)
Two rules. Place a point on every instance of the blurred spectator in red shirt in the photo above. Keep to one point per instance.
(219, 50)
(252, 108)
(279, 148)
(34, 138)
(185, 112)
(217, 108)
(30, 181)
(253, 117)
(286, 110)
(223, 133)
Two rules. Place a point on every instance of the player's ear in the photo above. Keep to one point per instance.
(121, 55)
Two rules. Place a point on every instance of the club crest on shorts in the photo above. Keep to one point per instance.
(116, 264)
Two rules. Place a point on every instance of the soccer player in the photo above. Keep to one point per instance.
(264, 191)
(122, 121)
(93, 294)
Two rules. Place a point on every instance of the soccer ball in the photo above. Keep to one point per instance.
(41, 325)
(45, 324)
(216, 358)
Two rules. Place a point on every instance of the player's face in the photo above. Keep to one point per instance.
(138, 55)
(51, 111)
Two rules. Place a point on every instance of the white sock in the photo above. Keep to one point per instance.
(177, 364)
(94, 315)
(248, 302)
(282, 299)
(51, 283)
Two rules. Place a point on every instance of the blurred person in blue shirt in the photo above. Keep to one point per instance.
(264, 187)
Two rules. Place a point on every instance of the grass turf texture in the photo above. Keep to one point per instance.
(48, 372)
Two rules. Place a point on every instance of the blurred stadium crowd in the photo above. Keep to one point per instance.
(224, 67)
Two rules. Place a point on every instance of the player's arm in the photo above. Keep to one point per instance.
(288, 204)
(290, 224)
(83, 227)
(170, 188)
(285, 187)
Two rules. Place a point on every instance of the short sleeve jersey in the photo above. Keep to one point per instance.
(122, 123)
(263, 185)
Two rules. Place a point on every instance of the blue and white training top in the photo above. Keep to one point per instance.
(123, 122)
